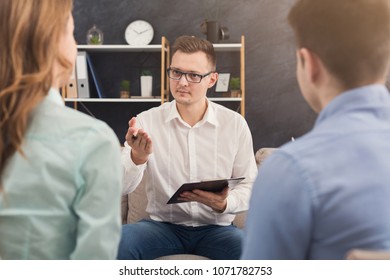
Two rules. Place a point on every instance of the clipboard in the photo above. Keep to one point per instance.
(209, 185)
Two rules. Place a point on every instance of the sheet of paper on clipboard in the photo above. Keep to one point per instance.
(209, 185)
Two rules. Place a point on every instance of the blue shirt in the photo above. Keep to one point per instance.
(329, 191)
(62, 200)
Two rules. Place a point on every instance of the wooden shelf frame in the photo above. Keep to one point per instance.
(242, 75)
(164, 49)
(240, 47)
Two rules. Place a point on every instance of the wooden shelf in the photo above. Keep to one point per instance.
(164, 49)
(105, 100)
(148, 48)
(238, 47)
(228, 99)
(120, 48)
(227, 47)
(140, 99)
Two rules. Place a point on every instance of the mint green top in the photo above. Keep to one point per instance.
(62, 200)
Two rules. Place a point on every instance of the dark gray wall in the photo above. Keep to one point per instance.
(275, 110)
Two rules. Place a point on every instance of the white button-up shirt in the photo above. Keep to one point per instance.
(217, 147)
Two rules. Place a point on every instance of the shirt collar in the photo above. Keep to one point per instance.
(210, 115)
(55, 97)
(354, 98)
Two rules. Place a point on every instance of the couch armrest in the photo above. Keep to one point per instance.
(136, 205)
(262, 154)
(124, 208)
(357, 254)
(239, 220)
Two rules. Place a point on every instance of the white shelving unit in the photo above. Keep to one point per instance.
(227, 47)
(229, 99)
(164, 48)
(121, 100)
(121, 48)
(239, 47)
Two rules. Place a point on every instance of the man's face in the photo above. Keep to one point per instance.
(187, 93)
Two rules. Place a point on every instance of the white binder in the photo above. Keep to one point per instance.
(71, 87)
(82, 75)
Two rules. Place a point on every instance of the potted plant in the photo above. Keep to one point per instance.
(235, 87)
(94, 36)
(125, 89)
(146, 83)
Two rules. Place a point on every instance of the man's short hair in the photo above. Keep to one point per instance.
(191, 44)
(351, 37)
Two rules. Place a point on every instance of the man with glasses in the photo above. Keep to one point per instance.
(187, 140)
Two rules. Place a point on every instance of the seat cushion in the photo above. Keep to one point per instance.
(182, 257)
(262, 154)
(136, 204)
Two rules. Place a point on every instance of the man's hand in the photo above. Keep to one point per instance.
(140, 143)
(217, 201)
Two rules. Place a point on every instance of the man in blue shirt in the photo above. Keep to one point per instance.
(329, 191)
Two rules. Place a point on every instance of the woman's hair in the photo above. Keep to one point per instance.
(191, 44)
(30, 32)
(352, 37)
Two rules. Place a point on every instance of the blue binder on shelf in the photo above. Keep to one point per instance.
(95, 79)
(82, 75)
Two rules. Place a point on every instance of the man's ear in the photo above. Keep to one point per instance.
(310, 63)
(213, 79)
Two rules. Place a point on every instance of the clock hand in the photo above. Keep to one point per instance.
(135, 30)
(144, 31)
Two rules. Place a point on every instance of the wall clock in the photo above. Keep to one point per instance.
(139, 32)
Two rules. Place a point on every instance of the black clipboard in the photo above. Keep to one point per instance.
(209, 185)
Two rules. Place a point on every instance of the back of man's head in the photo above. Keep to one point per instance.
(351, 37)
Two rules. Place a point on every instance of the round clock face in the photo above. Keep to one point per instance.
(139, 32)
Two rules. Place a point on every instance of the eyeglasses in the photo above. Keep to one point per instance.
(190, 77)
